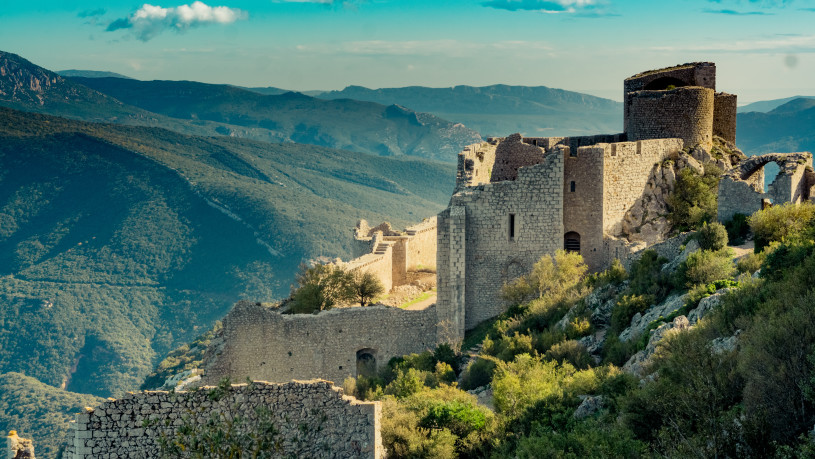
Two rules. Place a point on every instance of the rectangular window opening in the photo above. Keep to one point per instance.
(511, 227)
(572, 186)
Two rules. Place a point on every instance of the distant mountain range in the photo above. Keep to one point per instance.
(91, 74)
(788, 127)
(204, 109)
(765, 106)
(500, 110)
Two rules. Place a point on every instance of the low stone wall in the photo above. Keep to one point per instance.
(311, 418)
(263, 344)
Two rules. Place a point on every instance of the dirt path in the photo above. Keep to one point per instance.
(422, 304)
(742, 250)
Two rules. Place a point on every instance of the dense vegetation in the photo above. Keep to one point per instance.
(698, 397)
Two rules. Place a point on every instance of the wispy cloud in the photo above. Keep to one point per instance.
(449, 48)
(149, 20)
(545, 6)
(737, 13)
(92, 13)
(792, 44)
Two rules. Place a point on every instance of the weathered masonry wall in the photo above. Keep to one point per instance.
(379, 263)
(511, 154)
(390, 254)
(508, 226)
(739, 193)
(627, 167)
(262, 344)
(475, 163)
(684, 112)
(421, 245)
(451, 273)
(583, 207)
(702, 74)
(724, 116)
(313, 418)
(18, 448)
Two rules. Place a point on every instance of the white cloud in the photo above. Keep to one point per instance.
(546, 6)
(150, 20)
(784, 43)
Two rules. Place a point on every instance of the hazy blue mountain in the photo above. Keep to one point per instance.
(349, 124)
(272, 91)
(499, 110)
(91, 74)
(117, 243)
(765, 106)
(787, 128)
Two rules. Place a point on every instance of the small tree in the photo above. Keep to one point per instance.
(321, 287)
(366, 287)
(712, 236)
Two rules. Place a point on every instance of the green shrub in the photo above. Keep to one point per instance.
(778, 262)
(407, 383)
(572, 352)
(460, 418)
(694, 200)
(626, 308)
(737, 229)
(646, 276)
(552, 275)
(751, 262)
(365, 287)
(704, 267)
(615, 274)
(618, 352)
(790, 223)
(712, 236)
(478, 373)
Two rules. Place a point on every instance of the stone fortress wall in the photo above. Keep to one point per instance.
(262, 344)
(390, 254)
(494, 232)
(312, 418)
(599, 178)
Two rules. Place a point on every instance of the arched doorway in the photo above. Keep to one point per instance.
(366, 363)
(571, 242)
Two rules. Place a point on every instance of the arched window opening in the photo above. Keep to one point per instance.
(571, 242)
(366, 363)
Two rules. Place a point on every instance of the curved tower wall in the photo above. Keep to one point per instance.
(685, 113)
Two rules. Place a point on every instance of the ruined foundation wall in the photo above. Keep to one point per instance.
(724, 116)
(451, 273)
(262, 344)
(737, 197)
(313, 419)
(685, 113)
(532, 205)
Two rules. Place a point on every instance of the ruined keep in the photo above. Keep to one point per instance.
(519, 198)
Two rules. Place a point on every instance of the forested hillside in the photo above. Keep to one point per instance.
(117, 243)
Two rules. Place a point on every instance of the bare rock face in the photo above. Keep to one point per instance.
(591, 404)
(646, 221)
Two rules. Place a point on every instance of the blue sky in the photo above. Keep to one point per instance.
(763, 48)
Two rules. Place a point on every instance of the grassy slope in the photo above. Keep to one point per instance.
(112, 252)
